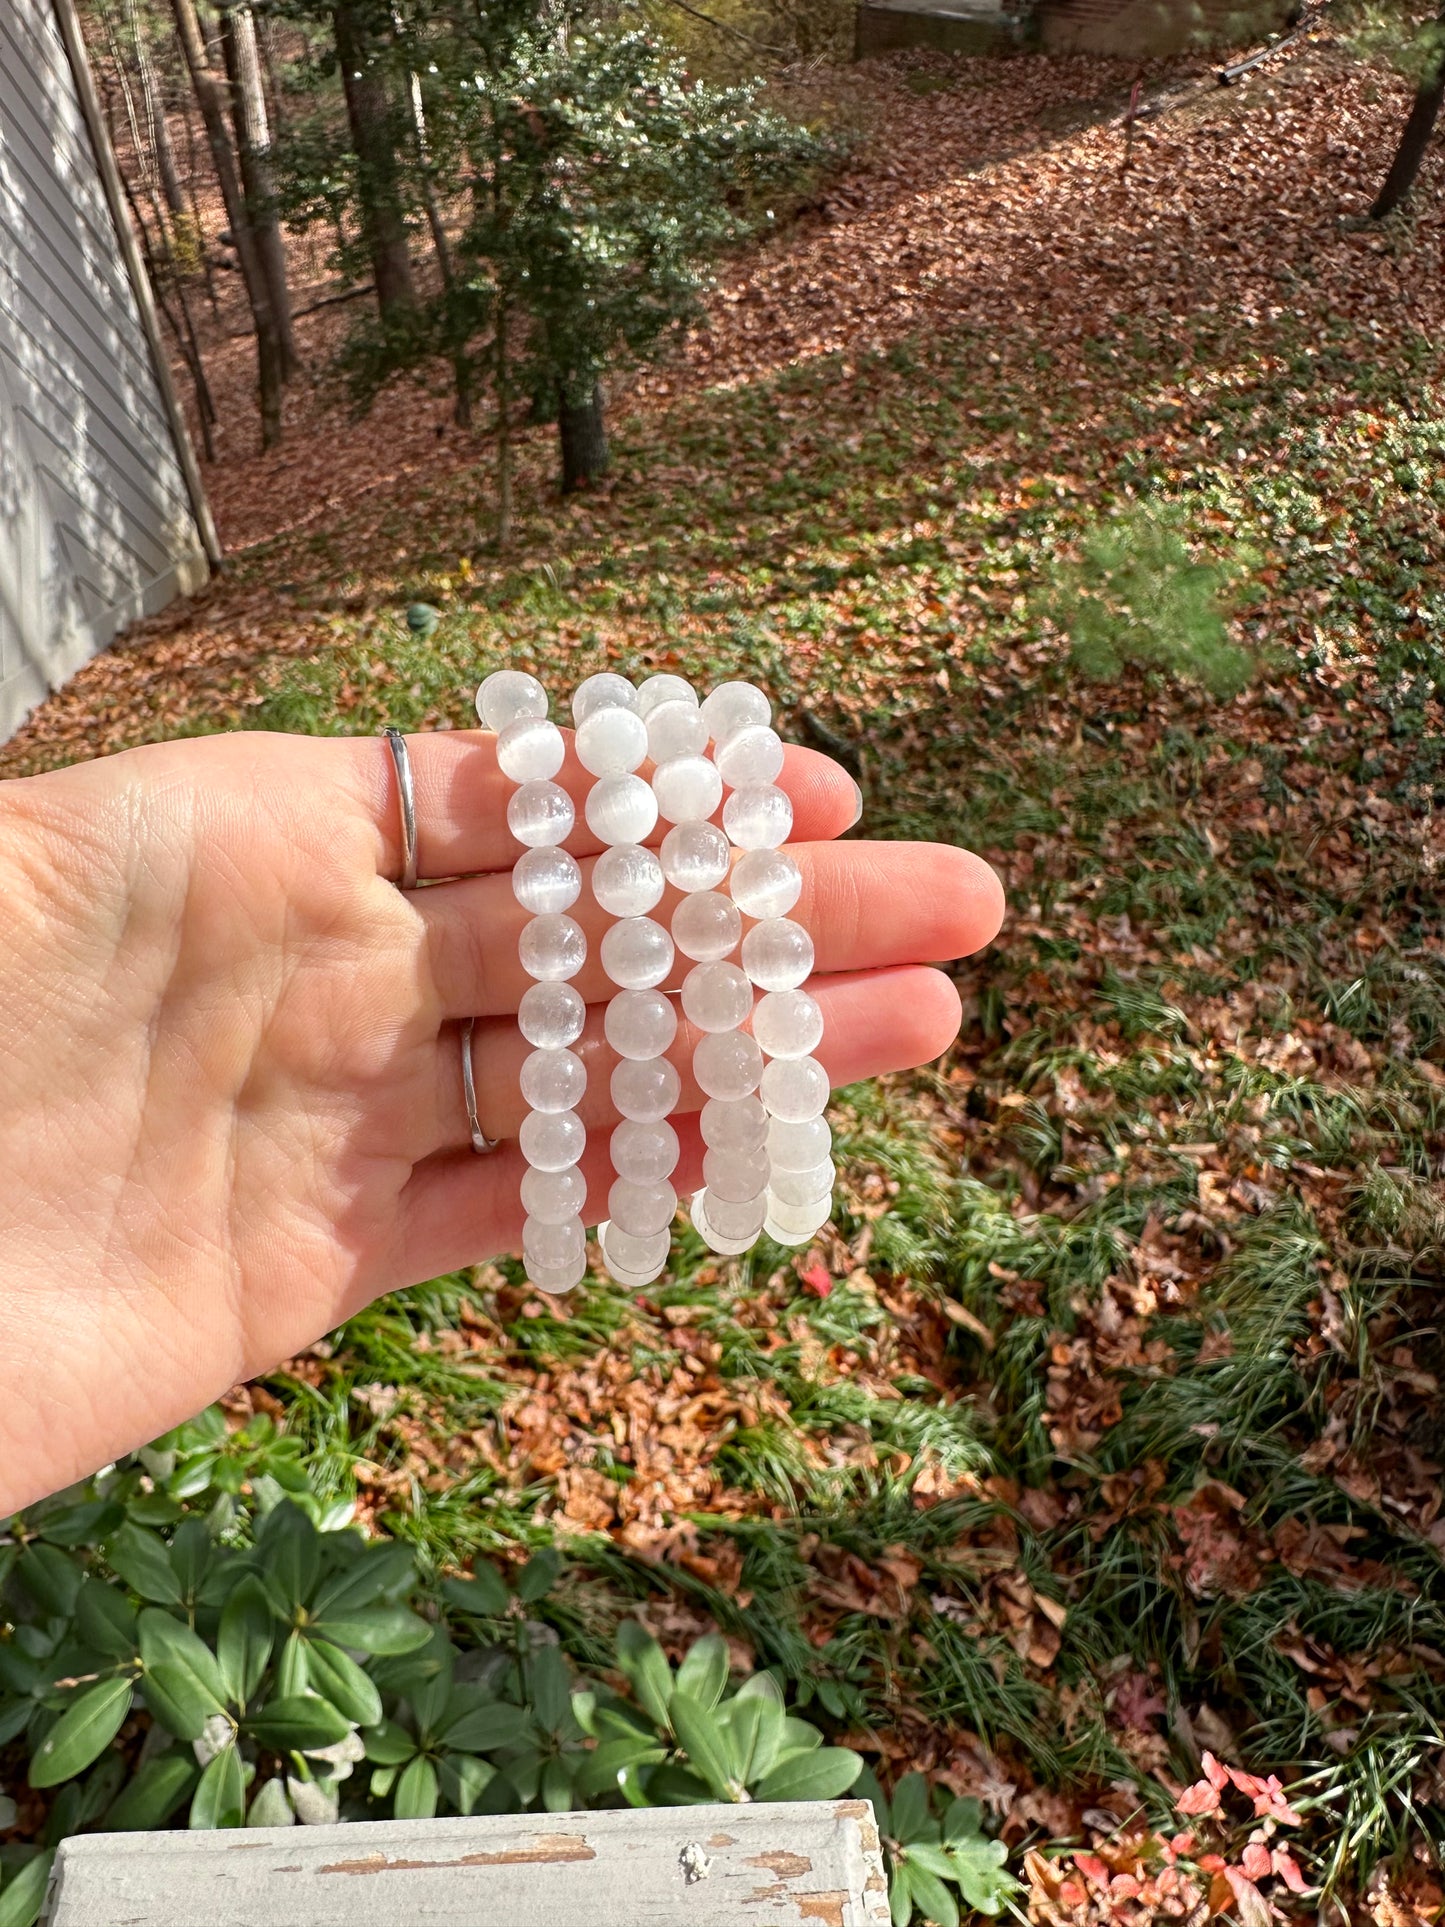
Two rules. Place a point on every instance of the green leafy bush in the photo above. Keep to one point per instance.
(1137, 595)
(196, 1638)
(937, 1853)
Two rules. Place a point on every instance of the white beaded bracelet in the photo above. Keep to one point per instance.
(552, 948)
(767, 1164)
(636, 954)
(728, 1212)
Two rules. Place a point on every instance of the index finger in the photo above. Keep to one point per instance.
(462, 796)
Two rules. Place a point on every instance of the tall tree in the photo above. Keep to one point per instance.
(378, 137)
(253, 146)
(1419, 125)
(154, 107)
(270, 357)
(602, 184)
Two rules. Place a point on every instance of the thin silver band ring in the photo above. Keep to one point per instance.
(406, 794)
(480, 1141)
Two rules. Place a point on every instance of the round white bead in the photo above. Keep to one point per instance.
(798, 1147)
(675, 729)
(766, 883)
(552, 949)
(607, 691)
(725, 1247)
(634, 1261)
(758, 818)
(551, 1196)
(735, 1175)
(788, 1023)
(802, 1219)
(654, 691)
(611, 742)
(727, 1064)
(803, 1187)
(706, 927)
(646, 1089)
(530, 750)
(627, 880)
(551, 1015)
(640, 1023)
(716, 996)
(551, 1246)
(636, 1280)
(539, 814)
(733, 705)
(695, 857)
(508, 694)
(777, 954)
(551, 1140)
(641, 1208)
(637, 953)
(644, 1152)
(621, 809)
(733, 1124)
(688, 789)
(794, 1088)
(735, 1218)
(546, 880)
(553, 1080)
(750, 755)
(561, 1279)
(781, 1235)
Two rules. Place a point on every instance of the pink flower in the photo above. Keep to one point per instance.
(1202, 1797)
(1255, 1860)
(1092, 1868)
(1267, 1795)
(1287, 1867)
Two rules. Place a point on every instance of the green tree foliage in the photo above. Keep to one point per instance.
(582, 186)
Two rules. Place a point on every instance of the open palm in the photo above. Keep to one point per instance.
(230, 1094)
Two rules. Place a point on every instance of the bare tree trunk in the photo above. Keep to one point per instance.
(183, 330)
(276, 96)
(1420, 124)
(374, 138)
(155, 116)
(198, 226)
(504, 429)
(253, 145)
(583, 435)
(461, 366)
(269, 357)
(128, 100)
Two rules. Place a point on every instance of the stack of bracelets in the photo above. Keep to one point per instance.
(767, 1165)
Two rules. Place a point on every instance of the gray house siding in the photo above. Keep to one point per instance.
(101, 513)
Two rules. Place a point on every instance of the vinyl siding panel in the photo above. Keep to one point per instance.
(97, 524)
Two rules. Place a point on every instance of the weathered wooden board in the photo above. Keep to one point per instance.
(101, 516)
(722, 1866)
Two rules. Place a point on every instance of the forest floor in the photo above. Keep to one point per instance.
(1103, 1430)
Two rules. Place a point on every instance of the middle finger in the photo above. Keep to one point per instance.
(865, 905)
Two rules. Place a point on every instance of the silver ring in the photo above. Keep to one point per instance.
(480, 1141)
(406, 792)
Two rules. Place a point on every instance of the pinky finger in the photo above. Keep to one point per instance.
(458, 1208)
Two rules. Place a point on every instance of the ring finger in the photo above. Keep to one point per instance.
(873, 1021)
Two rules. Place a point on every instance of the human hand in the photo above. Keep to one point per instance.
(231, 1109)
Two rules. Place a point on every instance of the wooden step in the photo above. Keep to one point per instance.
(785, 1865)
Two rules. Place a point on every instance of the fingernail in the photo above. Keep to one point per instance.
(858, 807)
